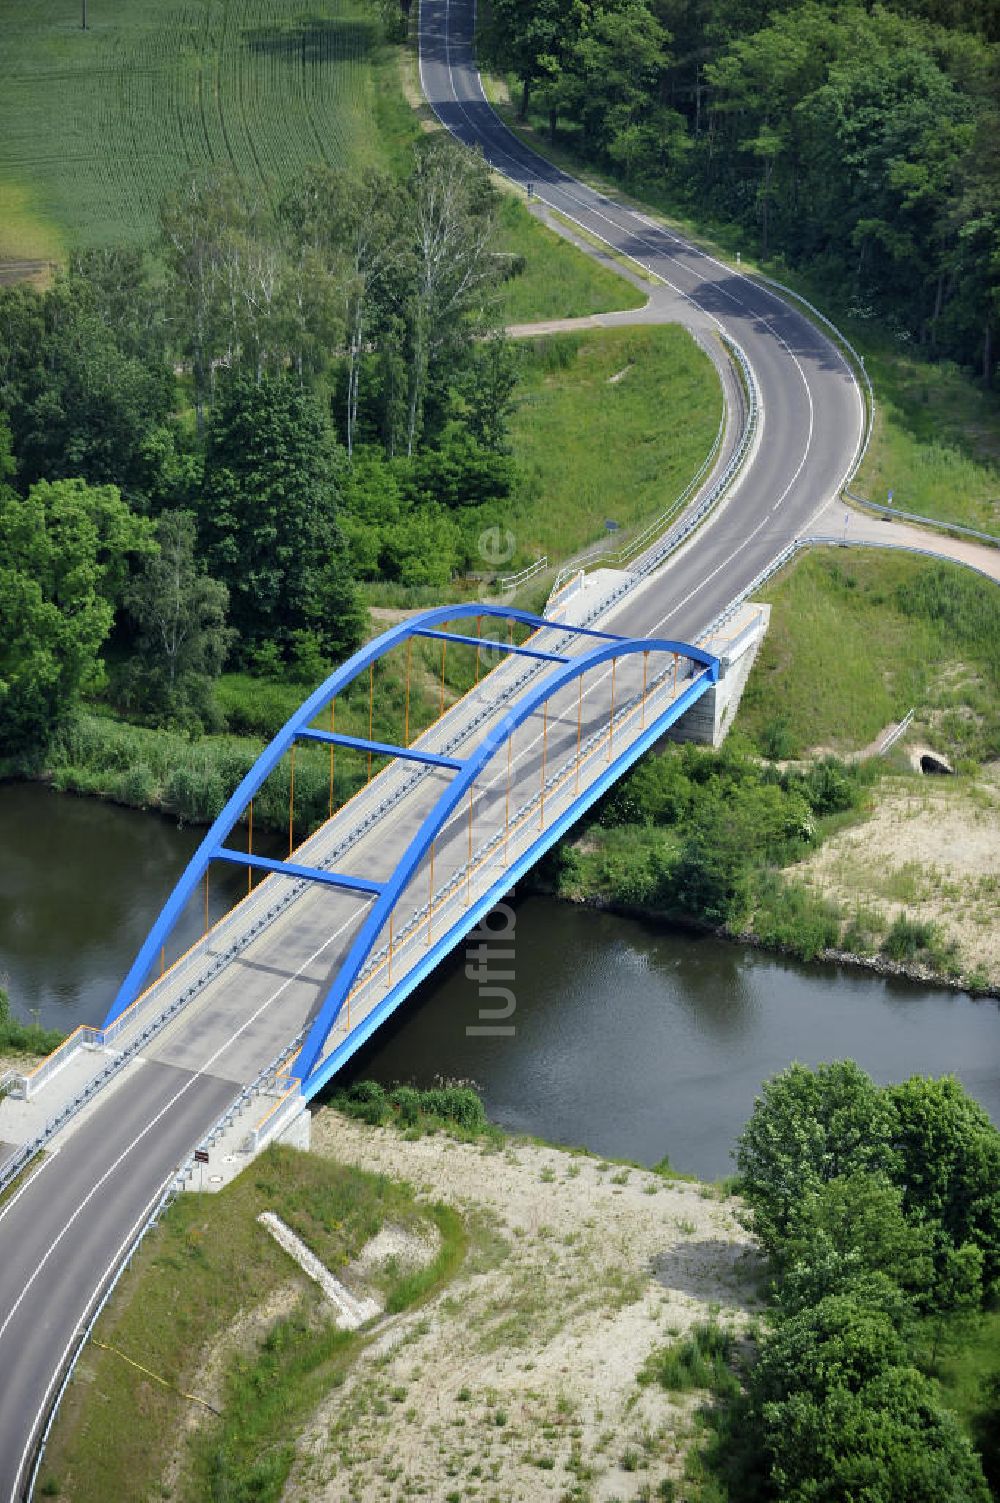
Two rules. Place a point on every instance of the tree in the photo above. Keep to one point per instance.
(841, 1414)
(268, 516)
(79, 405)
(64, 556)
(452, 226)
(531, 37)
(858, 1221)
(807, 1128)
(949, 1156)
(352, 229)
(182, 638)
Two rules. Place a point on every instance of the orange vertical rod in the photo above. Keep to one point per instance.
(645, 670)
(291, 802)
(506, 812)
(406, 723)
(579, 727)
(611, 723)
(333, 704)
(250, 849)
(545, 748)
(371, 711)
(444, 646)
(163, 959)
(430, 893)
(673, 692)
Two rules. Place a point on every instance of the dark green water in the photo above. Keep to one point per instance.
(634, 1041)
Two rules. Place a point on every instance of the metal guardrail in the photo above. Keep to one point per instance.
(508, 582)
(913, 516)
(891, 737)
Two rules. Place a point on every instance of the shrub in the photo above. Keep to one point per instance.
(790, 917)
(701, 1360)
(908, 937)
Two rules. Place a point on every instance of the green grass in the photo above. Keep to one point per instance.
(593, 447)
(207, 1262)
(24, 1038)
(700, 1360)
(558, 280)
(936, 443)
(971, 1361)
(854, 643)
(95, 126)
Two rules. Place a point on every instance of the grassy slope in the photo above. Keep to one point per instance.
(558, 281)
(841, 659)
(937, 435)
(207, 1262)
(594, 447)
(155, 87)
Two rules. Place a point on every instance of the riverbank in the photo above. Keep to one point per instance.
(908, 887)
(518, 1377)
(528, 1375)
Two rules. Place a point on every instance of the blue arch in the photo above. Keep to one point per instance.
(310, 1054)
(269, 759)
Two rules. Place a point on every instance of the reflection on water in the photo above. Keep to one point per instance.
(80, 884)
(640, 1042)
(635, 1041)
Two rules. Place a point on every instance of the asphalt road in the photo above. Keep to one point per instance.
(62, 1235)
(813, 416)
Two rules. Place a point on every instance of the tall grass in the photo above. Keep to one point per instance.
(24, 1038)
(553, 279)
(855, 643)
(609, 426)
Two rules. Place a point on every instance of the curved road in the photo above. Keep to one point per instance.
(812, 410)
(65, 1231)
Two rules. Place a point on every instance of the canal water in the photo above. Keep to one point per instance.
(633, 1040)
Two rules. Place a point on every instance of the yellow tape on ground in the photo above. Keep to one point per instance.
(156, 1377)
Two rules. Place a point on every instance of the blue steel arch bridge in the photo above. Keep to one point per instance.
(394, 878)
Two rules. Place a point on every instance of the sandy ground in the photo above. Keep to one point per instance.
(931, 849)
(519, 1381)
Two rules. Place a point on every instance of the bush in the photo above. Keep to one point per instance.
(790, 917)
(412, 1107)
(907, 938)
(701, 1360)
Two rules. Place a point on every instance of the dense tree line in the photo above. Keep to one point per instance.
(861, 141)
(204, 447)
(879, 1209)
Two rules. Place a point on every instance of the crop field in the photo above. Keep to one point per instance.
(96, 125)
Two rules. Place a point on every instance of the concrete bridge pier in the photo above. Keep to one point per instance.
(736, 645)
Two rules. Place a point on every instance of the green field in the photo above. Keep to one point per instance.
(96, 125)
(611, 424)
